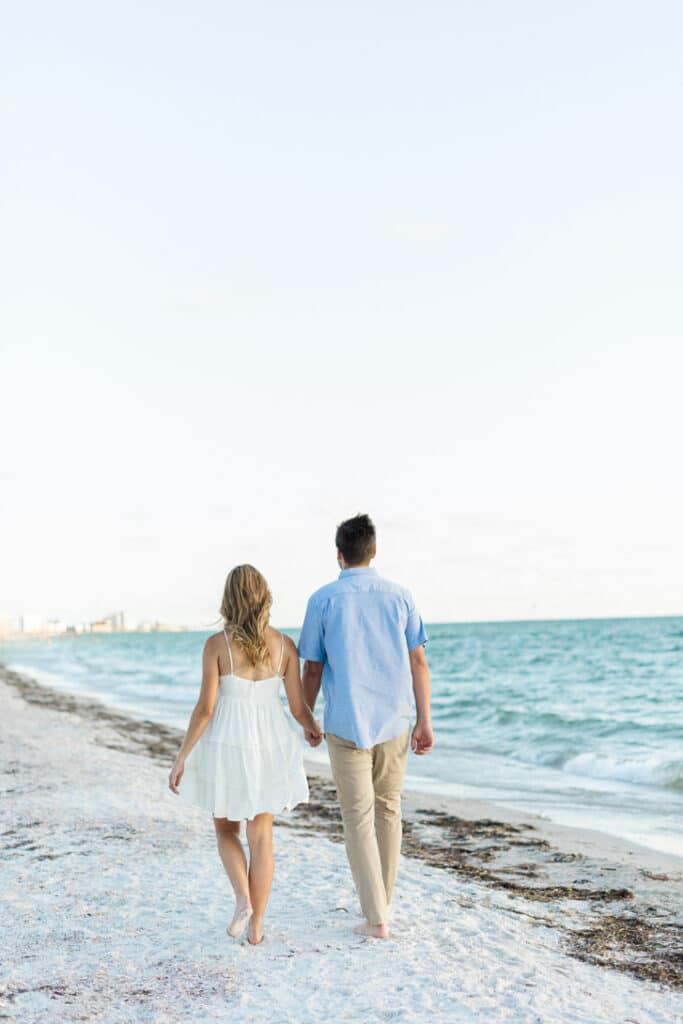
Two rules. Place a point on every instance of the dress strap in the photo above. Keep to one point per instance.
(227, 644)
(282, 654)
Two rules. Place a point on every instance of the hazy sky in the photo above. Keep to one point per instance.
(267, 265)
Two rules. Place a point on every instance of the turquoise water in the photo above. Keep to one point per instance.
(581, 721)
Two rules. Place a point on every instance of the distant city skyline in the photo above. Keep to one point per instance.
(36, 624)
(268, 267)
(12, 628)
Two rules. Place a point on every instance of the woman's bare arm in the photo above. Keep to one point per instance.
(202, 712)
(295, 694)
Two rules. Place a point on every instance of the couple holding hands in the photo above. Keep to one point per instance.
(241, 759)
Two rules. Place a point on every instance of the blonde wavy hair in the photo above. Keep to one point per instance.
(245, 610)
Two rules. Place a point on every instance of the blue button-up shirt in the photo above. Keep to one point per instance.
(362, 627)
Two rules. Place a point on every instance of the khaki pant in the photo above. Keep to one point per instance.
(369, 783)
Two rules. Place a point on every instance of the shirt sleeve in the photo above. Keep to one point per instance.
(311, 643)
(416, 634)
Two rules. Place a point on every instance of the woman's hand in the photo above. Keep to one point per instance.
(176, 774)
(314, 738)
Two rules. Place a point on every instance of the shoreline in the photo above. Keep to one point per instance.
(159, 739)
(586, 840)
(612, 904)
(463, 806)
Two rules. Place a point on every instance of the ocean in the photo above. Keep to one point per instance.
(581, 721)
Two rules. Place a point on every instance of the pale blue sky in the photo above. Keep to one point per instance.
(268, 265)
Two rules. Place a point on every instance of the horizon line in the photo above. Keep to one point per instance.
(172, 628)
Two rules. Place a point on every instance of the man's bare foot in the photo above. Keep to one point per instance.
(373, 931)
(389, 914)
(240, 918)
(255, 933)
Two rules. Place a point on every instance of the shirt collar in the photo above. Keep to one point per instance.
(357, 570)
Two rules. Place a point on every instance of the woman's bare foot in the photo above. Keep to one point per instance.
(240, 918)
(372, 931)
(255, 933)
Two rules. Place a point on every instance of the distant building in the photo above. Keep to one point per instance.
(118, 622)
(101, 626)
(55, 627)
(32, 624)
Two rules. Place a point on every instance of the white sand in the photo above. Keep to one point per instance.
(114, 908)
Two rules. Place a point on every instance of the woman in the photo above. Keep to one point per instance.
(241, 757)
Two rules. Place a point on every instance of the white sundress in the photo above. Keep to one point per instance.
(249, 759)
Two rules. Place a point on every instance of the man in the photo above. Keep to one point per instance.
(363, 639)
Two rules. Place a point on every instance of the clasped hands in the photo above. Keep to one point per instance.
(314, 739)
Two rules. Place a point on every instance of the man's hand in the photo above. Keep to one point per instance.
(422, 740)
(314, 739)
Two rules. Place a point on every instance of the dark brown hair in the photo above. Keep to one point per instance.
(356, 539)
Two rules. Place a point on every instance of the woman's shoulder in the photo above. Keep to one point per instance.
(275, 636)
(215, 641)
(277, 639)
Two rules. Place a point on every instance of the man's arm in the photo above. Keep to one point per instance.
(312, 650)
(312, 677)
(422, 739)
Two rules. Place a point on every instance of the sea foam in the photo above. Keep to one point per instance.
(654, 771)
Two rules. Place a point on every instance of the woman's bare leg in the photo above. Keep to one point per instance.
(234, 861)
(260, 839)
